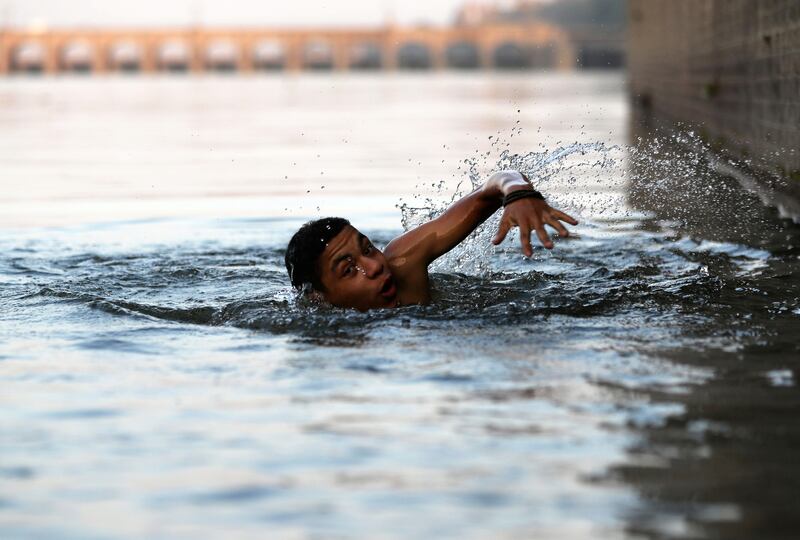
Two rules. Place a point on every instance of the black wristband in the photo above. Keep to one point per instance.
(522, 194)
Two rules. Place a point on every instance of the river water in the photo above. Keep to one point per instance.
(159, 379)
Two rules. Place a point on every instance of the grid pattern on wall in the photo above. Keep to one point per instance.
(731, 68)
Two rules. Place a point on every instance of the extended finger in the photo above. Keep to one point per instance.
(564, 217)
(543, 236)
(525, 239)
(502, 230)
(562, 231)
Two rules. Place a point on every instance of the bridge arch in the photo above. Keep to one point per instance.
(269, 55)
(543, 56)
(593, 57)
(318, 55)
(76, 56)
(365, 56)
(174, 55)
(28, 57)
(462, 55)
(221, 55)
(510, 55)
(125, 56)
(414, 55)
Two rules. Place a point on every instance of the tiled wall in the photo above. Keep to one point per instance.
(731, 68)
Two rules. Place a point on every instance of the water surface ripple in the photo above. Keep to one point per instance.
(160, 379)
(536, 396)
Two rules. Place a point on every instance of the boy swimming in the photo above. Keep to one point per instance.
(334, 262)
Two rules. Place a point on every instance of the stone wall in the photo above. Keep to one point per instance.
(730, 68)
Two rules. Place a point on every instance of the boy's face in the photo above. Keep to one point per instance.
(355, 273)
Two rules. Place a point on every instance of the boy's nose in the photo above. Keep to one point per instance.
(372, 267)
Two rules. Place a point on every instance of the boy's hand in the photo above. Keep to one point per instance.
(532, 214)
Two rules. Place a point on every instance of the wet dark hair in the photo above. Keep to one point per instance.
(306, 246)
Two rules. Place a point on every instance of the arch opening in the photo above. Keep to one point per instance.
(269, 55)
(318, 56)
(463, 55)
(600, 58)
(414, 55)
(365, 56)
(28, 58)
(543, 56)
(174, 57)
(222, 56)
(510, 55)
(76, 57)
(125, 56)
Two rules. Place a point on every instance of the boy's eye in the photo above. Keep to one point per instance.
(349, 268)
(369, 249)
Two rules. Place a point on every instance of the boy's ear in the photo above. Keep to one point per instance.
(315, 296)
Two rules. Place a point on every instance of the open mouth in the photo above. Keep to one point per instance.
(388, 290)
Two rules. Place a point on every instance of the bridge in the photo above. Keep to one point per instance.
(487, 46)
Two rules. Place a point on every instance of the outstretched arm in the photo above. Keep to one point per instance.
(433, 239)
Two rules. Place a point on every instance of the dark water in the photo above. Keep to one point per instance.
(160, 380)
(639, 379)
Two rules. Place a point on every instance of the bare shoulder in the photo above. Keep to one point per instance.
(408, 253)
(406, 258)
(410, 269)
(405, 248)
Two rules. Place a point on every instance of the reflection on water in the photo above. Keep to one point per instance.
(160, 379)
(79, 151)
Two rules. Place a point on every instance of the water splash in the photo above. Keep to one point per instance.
(673, 181)
(566, 175)
(681, 179)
